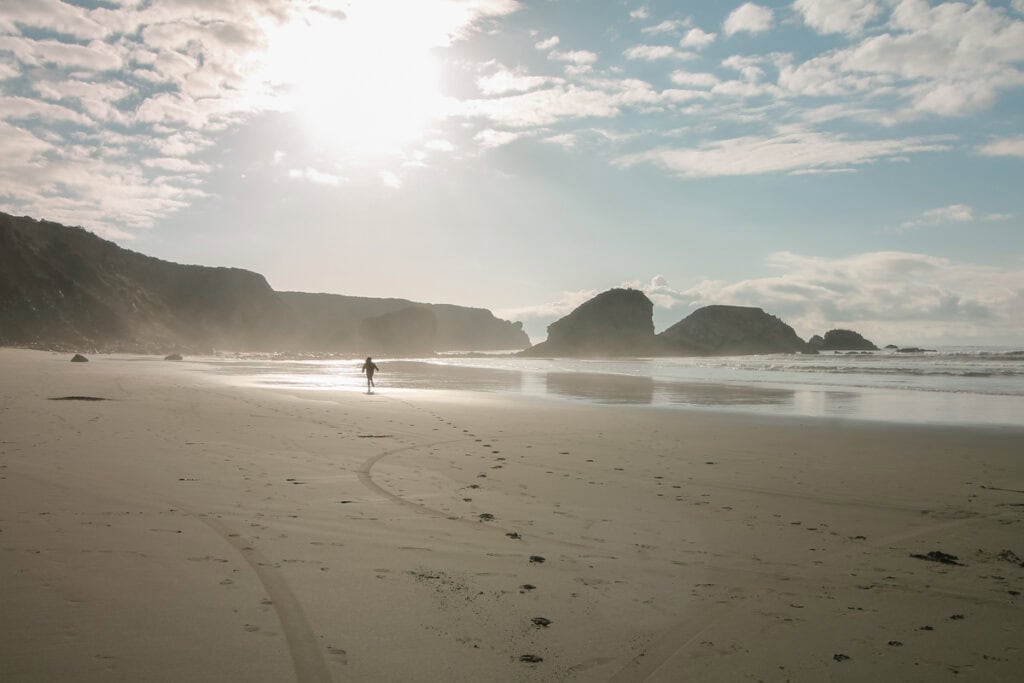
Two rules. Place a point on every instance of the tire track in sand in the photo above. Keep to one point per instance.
(307, 658)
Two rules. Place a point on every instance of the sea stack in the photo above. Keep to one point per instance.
(618, 322)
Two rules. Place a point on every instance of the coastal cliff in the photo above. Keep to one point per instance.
(66, 288)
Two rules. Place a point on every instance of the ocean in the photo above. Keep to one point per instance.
(950, 385)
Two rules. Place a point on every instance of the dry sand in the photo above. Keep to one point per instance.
(189, 530)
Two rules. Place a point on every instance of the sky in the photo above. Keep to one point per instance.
(838, 163)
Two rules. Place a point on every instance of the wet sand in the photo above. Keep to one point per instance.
(187, 529)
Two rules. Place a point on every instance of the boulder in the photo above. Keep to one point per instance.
(79, 358)
(173, 356)
(618, 322)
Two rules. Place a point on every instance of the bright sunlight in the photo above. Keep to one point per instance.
(365, 83)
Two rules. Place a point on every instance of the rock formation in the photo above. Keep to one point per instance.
(729, 331)
(618, 322)
(66, 288)
(410, 330)
(841, 340)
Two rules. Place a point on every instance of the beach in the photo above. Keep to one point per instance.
(189, 528)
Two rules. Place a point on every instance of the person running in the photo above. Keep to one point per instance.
(369, 367)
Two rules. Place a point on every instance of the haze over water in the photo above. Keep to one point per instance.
(955, 385)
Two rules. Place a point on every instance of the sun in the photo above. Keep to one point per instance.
(364, 86)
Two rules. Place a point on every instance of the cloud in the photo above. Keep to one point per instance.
(697, 39)
(170, 77)
(907, 297)
(52, 15)
(667, 26)
(837, 16)
(954, 213)
(696, 79)
(547, 44)
(506, 81)
(749, 18)
(653, 53)
(785, 152)
(490, 138)
(317, 177)
(600, 98)
(1004, 147)
(577, 57)
(390, 179)
(642, 13)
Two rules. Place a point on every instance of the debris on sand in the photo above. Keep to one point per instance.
(541, 621)
(840, 657)
(79, 358)
(537, 558)
(531, 659)
(939, 556)
(1012, 557)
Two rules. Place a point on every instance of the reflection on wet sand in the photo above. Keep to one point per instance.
(600, 388)
(693, 393)
(419, 375)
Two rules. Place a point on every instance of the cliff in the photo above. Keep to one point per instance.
(618, 322)
(335, 320)
(64, 288)
(730, 331)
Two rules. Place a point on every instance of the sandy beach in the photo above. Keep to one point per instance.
(185, 529)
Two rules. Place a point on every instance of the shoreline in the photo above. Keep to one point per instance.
(188, 528)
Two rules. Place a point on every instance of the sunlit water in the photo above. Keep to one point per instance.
(982, 386)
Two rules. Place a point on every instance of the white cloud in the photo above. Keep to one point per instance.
(547, 44)
(439, 145)
(954, 213)
(667, 26)
(696, 79)
(697, 39)
(172, 75)
(887, 296)
(389, 179)
(52, 15)
(490, 138)
(748, 17)
(176, 164)
(317, 177)
(577, 57)
(1018, 5)
(506, 81)
(1004, 147)
(642, 13)
(653, 53)
(785, 152)
(837, 16)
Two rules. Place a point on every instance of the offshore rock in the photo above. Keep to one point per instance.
(618, 322)
(842, 340)
(730, 331)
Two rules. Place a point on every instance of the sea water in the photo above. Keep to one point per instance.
(950, 385)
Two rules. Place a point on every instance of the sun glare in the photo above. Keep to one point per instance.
(364, 86)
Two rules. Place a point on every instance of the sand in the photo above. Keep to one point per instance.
(185, 529)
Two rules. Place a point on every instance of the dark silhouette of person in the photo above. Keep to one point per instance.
(369, 367)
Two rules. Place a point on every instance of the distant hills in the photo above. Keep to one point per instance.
(65, 288)
(619, 322)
